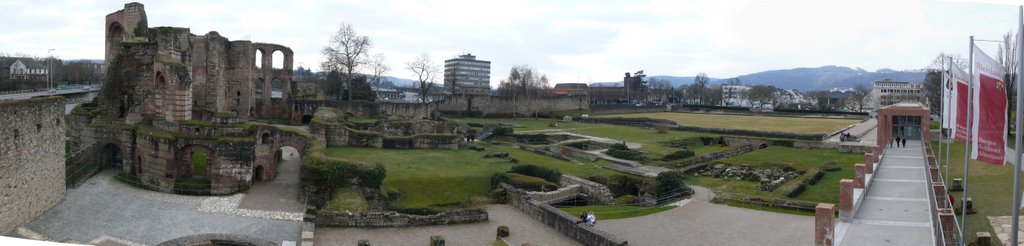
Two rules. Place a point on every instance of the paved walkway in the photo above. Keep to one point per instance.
(895, 210)
(281, 193)
(699, 222)
(523, 229)
(104, 208)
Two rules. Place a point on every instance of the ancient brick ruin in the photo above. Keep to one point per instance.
(177, 106)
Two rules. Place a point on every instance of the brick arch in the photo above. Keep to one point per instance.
(104, 155)
(267, 154)
(184, 168)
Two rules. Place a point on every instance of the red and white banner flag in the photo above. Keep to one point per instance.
(988, 132)
(959, 92)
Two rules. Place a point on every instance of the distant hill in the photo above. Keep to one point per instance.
(805, 79)
(400, 82)
(827, 77)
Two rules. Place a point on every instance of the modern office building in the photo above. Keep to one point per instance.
(467, 75)
(888, 92)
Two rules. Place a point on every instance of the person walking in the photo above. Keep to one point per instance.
(897, 142)
(904, 142)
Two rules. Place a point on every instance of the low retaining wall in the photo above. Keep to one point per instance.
(626, 109)
(597, 193)
(560, 221)
(395, 219)
(566, 192)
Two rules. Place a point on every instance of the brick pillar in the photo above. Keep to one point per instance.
(984, 238)
(824, 224)
(947, 223)
(940, 195)
(858, 178)
(934, 171)
(846, 199)
(869, 158)
(931, 159)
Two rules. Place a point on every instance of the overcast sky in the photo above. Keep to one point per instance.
(569, 41)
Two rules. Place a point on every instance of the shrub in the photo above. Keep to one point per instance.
(530, 183)
(830, 167)
(661, 128)
(549, 174)
(625, 154)
(815, 176)
(473, 124)
(374, 177)
(681, 154)
(497, 179)
(502, 131)
(618, 146)
(796, 190)
(669, 184)
(627, 199)
(627, 185)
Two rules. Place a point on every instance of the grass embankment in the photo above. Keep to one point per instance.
(749, 122)
(438, 178)
(653, 142)
(615, 212)
(825, 190)
(990, 187)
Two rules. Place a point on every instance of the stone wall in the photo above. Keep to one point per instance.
(597, 193)
(391, 110)
(626, 109)
(560, 221)
(327, 125)
(395, 219)
(563, 193)
(31, 159)
(496, 106)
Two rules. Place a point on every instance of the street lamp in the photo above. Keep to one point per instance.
(49, 70)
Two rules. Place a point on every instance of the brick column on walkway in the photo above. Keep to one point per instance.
(947, 223)
(858, 175)
(824, 224)
(940, 194)
(846, 200)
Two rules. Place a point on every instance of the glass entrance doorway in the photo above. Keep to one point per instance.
(908, 127)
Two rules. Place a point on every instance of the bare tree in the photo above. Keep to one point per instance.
(762, 94)
(379, 68)
(345, 52)
(523, 84)
(699, 89)
(660, 87)
(860, 92)
(426, 72)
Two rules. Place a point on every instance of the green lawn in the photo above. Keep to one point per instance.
(651, 140)
(347, 199)
(440, 178)
(749, 122)
(527, 124)
(615, 212)
(990, 186)
(825, 190)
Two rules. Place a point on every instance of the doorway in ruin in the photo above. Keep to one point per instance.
(111, 156)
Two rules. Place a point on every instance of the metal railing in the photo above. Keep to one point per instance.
(942, 235)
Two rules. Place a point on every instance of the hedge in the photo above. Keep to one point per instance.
(549, 174)
(681, 154)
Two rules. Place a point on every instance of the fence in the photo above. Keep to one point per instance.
(81, 165)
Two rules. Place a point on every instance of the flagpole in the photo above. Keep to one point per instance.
(942, 117)
(967, 149)
(1017, 136)
(949, 137)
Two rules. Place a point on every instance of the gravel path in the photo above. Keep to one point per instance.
(104, 207)
(522, 228)
(703, 223)
(281, 193)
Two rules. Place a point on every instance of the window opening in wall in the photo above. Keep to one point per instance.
(39, 127)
